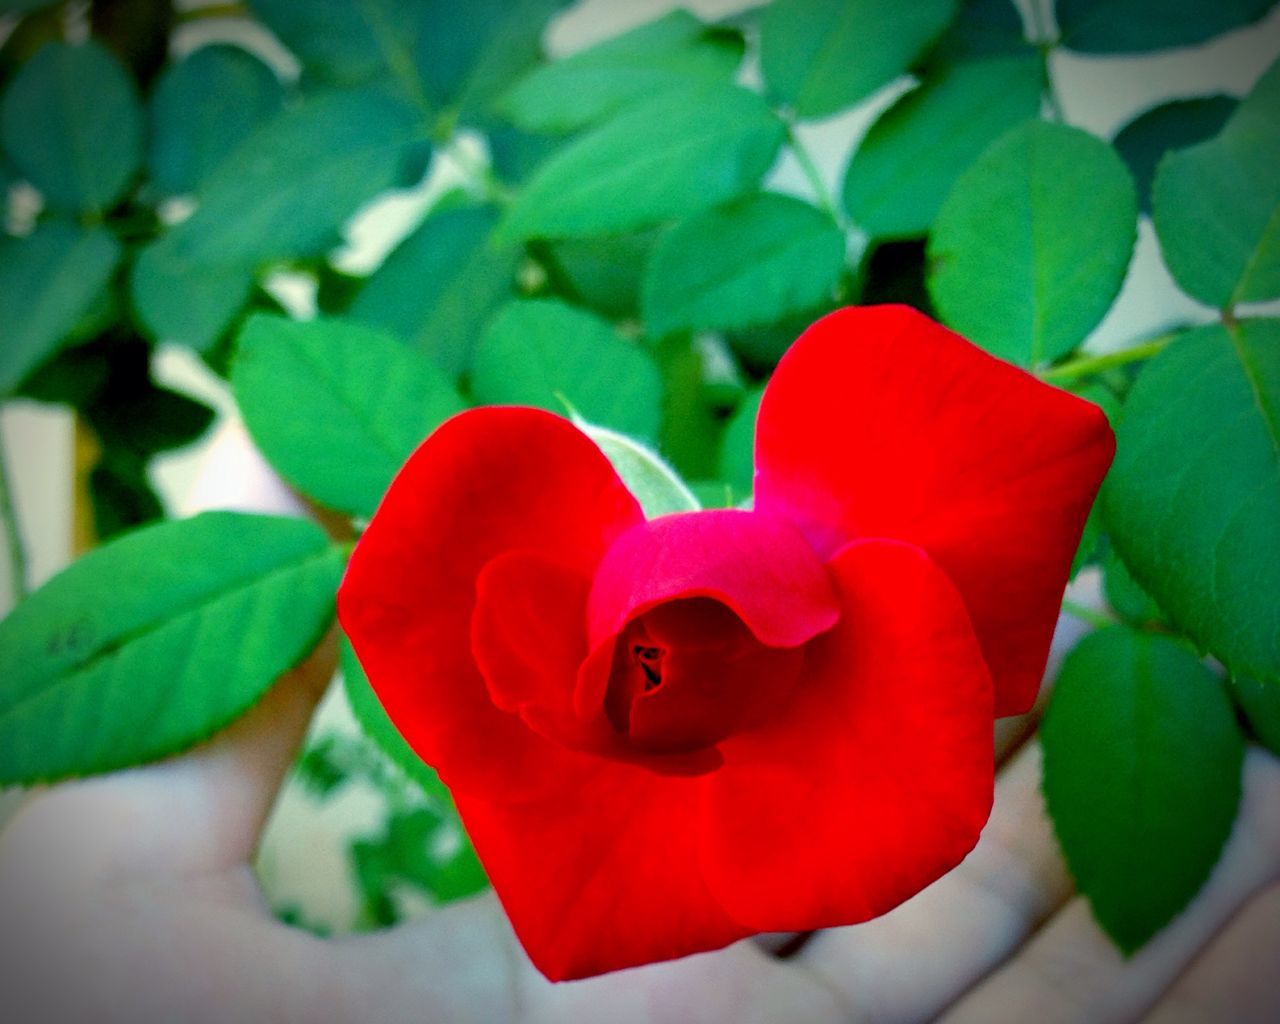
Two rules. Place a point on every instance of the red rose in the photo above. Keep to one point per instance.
(667, 735)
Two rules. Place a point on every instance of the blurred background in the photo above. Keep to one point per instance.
(134, 420)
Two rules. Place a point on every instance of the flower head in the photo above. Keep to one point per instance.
(665, 735)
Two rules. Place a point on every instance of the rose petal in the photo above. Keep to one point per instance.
(603, 877)
(881, 423)
(759, 566)
(486, 482)
(878, 777)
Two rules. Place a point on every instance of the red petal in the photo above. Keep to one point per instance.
(486, 482)
(877, 778)
(759, 566)
(604, 876)
(881, 423)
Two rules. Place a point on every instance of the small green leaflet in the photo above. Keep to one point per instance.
(182, 626)
(1139, 26)
(544, 353)
(1142, 765)
(1192, 502)
(1217, 205)
(669, 157)
(438, 287)
(202, 108)
(1145, 140)
(71, 123)
(656, 486)
(1031, 246)
(823, 56)
(672, 52)
(336, 407)
(53, 276)
(750, 262)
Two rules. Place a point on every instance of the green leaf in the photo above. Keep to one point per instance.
(192, 306)
(750, 262)
(1138, 26)
(288, 188)
(1091, 535)
(738, 454)
(983, 28)
(1192, 502)
(669, 157)
(1142, 764)
(822, 56)
(673, 52)
(544, 353)
(202, 108)
(605, 274)
(1217, 205)
(1031, 246)
(1126, 597)
(336, 407)
(71, 123)
(1145, 140)
(656, 486)
(377, 726)
(1260, 703)
(151, 643)
(53, 277)
(121, 496)
(439, 286)
(912, 156)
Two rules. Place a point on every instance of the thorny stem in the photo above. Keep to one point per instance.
(12, 531)
(1089, 366)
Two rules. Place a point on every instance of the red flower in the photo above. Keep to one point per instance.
(667, 735)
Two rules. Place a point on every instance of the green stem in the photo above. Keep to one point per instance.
(1090, 366)
(12, 531)
(1095, 618)
(812, 174)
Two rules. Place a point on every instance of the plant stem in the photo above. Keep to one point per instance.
(1089, 366)
(812, 174)
(214, 10)
(1095, 618)
(12, 531)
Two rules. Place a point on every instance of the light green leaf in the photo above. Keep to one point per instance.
(48, 281)
(750, 262)
(71, 123)
(336, 407)
(1145, 140)
(542, 352)
(912, 156)
(1217, 205)
(1192, 502)
(1138, 26)
(202, 108)
(822, 56)
(438, 287)
(674, 51)
(1142, 763)
(1031, 246)
(158, 639)
(666, 158)
(656, 486)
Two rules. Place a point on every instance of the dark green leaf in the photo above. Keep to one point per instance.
(377, 726)
(71, 123)
(1137, 26)
(202, 108)
(156, 640)
(438, 287)
(692, 420)
(821, 56)
(912, 156)
(657, 160)
(336, 407)
(894, 272)
(1031, 246)
(1217, 205)
(121, 496)
(738, 455)
(1260, 703)
(48, 281)
(1091, 536)
(189, 305)
(983, 28)
(1127, 599)
(1142, 763)
(537, 351)
(1192, 502)
(672, 52)
(1163, 129)
(751, 262)
(604, 274)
